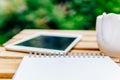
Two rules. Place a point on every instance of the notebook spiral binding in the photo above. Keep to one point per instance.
(77, 54)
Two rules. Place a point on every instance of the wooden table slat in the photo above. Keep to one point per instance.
(5, 79)
(8, 67)
(87, 45)
(84, 32)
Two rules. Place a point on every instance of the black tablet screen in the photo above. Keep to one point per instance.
(49, 42)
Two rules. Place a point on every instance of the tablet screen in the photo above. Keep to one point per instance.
(48, 42)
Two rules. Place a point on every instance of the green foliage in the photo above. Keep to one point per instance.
(16, 15)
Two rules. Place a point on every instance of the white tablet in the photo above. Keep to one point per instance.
(57, 43)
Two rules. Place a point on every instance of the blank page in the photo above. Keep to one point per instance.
(67, 68)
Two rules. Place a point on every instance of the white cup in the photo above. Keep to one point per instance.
(108, 34)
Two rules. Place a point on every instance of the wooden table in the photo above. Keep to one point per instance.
(10, 60)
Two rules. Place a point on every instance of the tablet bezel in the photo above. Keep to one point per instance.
(15, 47)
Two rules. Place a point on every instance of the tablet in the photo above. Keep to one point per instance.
(58, 43)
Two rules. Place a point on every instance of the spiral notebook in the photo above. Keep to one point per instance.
(63, 67)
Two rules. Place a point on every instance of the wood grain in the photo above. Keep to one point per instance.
(8, 67)
(5, 79)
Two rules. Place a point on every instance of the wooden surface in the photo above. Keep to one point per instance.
(10, 60)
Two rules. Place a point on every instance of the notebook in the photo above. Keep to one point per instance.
(63, 67)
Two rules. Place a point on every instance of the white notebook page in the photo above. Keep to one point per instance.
(65, 68)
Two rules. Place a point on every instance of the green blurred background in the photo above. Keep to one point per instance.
(16, 15)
